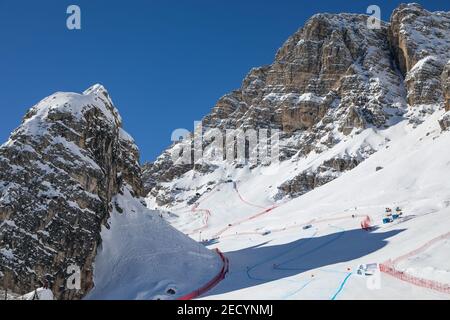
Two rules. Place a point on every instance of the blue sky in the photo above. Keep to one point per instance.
(165, 63)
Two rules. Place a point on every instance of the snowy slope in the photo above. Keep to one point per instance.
(272, 257)
(141, 257)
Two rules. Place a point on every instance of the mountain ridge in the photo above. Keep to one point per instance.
(331, 79)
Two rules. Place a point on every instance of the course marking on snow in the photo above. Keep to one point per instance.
(265, 211)
(341, 286)
(235, 187)
(299, 289)
(206, 212)
(339, 235)
(212, 283)
(302, 243)
(279, 266)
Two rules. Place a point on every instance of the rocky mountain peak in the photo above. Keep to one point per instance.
(59, 172)
(420, 41)
(416, 33)
(332, 79)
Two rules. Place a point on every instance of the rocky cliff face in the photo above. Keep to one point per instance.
(445, 120)
(446, 86)
(332, 67)
(59, 172)
(421, 42)
(330, 80)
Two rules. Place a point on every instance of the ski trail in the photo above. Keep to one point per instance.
(242, 198)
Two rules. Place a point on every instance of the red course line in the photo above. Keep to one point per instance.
(212, 283)
(242, 198)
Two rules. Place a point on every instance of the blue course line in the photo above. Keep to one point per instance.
(310, 251)
(295, 258)
(300, 256)
(307, 269)
(341, 287)
(277, 256)
(298, 290)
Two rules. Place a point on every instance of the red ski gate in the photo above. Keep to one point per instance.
(366, 223)
(212, 283)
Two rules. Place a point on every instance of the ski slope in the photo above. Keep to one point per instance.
(272, 255)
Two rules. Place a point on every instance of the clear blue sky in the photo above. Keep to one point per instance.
(165, 63)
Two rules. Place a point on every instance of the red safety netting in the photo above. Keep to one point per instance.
(422, 248)
(388, 267)
(213, 282)
(425, 283)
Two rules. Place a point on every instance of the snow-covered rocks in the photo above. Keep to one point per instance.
(63, 171)
(59, 172)
(444, 122)
(423, 82)
(38, 294)
(421, 41)
(446, 85)
(330, 80)
(416, 33)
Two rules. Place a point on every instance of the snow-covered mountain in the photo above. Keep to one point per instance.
(330, 81)
(70, 196)
(363, 119)
(363, 116)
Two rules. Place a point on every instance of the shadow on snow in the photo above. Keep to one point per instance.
(265, 263)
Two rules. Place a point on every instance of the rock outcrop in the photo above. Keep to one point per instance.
(444, 122)
(309, 180)
(329, 66)
(423, 82)
(421, 42)
(59, 172)
(446, 86)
